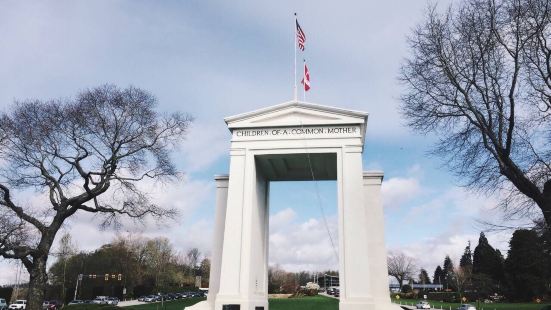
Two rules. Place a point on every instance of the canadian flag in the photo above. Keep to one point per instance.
(306, 79)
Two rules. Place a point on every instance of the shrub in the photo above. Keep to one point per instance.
(312, 286)
(444, 296)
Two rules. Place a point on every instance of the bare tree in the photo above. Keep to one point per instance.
(65, 250)
(401, 267)
(85, 154)
(461, 278)
(479, 76)
(192, 260)
(159, 254)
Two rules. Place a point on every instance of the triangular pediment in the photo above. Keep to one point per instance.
(296, 113)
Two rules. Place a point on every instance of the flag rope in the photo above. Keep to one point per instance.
(317, 192)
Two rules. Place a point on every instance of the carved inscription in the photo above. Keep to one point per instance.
(297, 132)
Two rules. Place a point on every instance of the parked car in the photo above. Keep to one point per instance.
(332, 291)
(186, 294)
(337, 293)
(141, 298)
(101, 300)
(150, 298)
(466, 307)
(422, 305)
(200, 294)
(112, 301)
(54, 305)
(19, 304)
(3, 304)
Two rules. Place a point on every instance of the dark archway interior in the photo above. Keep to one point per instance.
(296, 167)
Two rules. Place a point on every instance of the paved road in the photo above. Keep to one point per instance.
(129, 303)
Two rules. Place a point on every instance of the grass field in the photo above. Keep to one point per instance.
(169, 305)
(481, 306)
(308, 303)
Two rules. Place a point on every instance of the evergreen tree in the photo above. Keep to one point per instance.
(447, 272)
(438, 274)
(424, 277)
(525, 266)
(487, 260)
(467, 258)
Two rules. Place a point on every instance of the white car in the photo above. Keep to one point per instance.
(422, 305)
(466, 307)
(112, 301)
(100, 300)
(19, 304)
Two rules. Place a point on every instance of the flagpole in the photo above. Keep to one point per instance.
(295, 50)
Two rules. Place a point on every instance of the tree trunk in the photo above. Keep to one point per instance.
(37, 283)
(546, 209)
(545, 205)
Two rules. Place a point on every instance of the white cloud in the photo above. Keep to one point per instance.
(304, 245)
(397, 191)
(8, 270)
(206, 142)
(281, 219)
(453, 204)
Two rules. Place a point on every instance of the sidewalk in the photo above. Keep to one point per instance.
(130, 303)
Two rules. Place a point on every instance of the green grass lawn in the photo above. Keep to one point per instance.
(306, 303)
(482, 306)
(169, 305)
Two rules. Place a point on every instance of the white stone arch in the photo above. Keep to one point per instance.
(273, 144)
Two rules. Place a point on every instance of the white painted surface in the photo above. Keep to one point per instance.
(241, 243)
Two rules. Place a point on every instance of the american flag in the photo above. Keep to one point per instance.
(301, 37)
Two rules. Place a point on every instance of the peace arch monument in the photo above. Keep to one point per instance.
(296, 141)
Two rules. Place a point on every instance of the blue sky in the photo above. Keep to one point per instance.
(218, 58)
